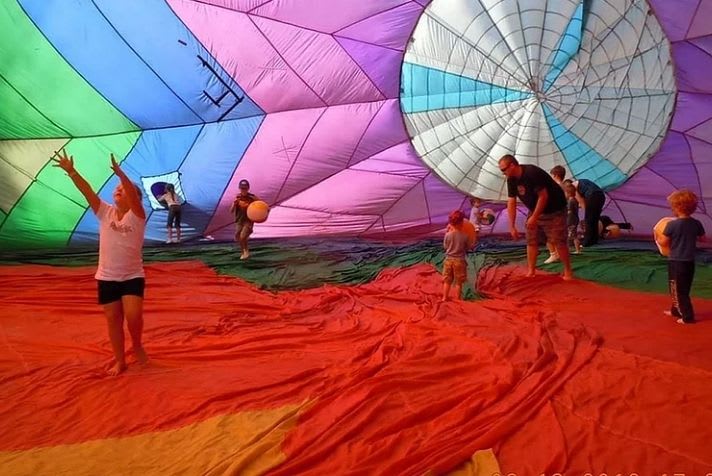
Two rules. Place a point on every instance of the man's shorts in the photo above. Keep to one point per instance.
(111, 291)
(455, 270)
(243, 230)
(552, 226)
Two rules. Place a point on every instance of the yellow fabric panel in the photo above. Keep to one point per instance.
(482, 463)
(245, 443)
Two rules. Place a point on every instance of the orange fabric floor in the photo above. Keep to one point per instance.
(373, 379)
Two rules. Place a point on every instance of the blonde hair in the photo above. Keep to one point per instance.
(683, 201)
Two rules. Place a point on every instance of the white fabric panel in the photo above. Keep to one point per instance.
(616, 94)
(20, 162)
(506, 16)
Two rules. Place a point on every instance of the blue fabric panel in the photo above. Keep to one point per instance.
(159, 37)
(156, 152)
(107, 62)
(210, 166)
(568, 47)
(583, 161)
(428, 89)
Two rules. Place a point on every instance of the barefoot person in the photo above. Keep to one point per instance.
(119, 275)
(547, 209)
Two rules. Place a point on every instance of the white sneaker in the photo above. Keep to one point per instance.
(551, 259)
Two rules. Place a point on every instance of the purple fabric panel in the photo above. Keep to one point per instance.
(702, 23)
(326, 16)
(391, 28)
(675, 17)
(693, 68)
(329, 147)
(423, 2)
(385, 131)
(269, 158)
(409, 211)
(258, 70)
(382, 65)
(675, 163)
(645, 187)
(442, 199)
(400, 159)
(703, 131)
(702, 152)
(642, 216)
(321, 62)
(353, 192)
(237, 5)
(691, 110)
(704, 43)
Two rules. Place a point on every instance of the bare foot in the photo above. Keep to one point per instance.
(530, 274)
(141, 356)
(568, 276)
(117, 369)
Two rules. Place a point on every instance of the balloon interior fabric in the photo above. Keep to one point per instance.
(360, 125)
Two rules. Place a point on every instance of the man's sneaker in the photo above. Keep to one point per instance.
(551, 259)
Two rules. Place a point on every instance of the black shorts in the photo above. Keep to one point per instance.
(110, 291)
(173, 216)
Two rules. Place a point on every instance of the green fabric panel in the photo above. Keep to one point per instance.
(35, 74)
(52, 206)
(301, 264)
(18, 118)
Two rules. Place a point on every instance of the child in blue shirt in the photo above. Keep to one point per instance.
(681, 236)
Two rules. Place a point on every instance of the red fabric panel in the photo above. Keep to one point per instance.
(399, 381)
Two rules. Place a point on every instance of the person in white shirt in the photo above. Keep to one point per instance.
(475, 217)
(119, 274)
(173, 201)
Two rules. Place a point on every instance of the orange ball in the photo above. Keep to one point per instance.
(658, 230)
(469, 229)
(258, 211)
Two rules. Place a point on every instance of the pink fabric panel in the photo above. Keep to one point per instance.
(329, 146)
(385, 131)
(354, 192)
(268, 160)
(237, 5)
(391, 28)
(285, 221)
(400, 159)
(326, 16)
(258, 69)
(382, 65)
(321, 62)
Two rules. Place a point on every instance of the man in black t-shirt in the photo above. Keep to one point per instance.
(547, 209)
